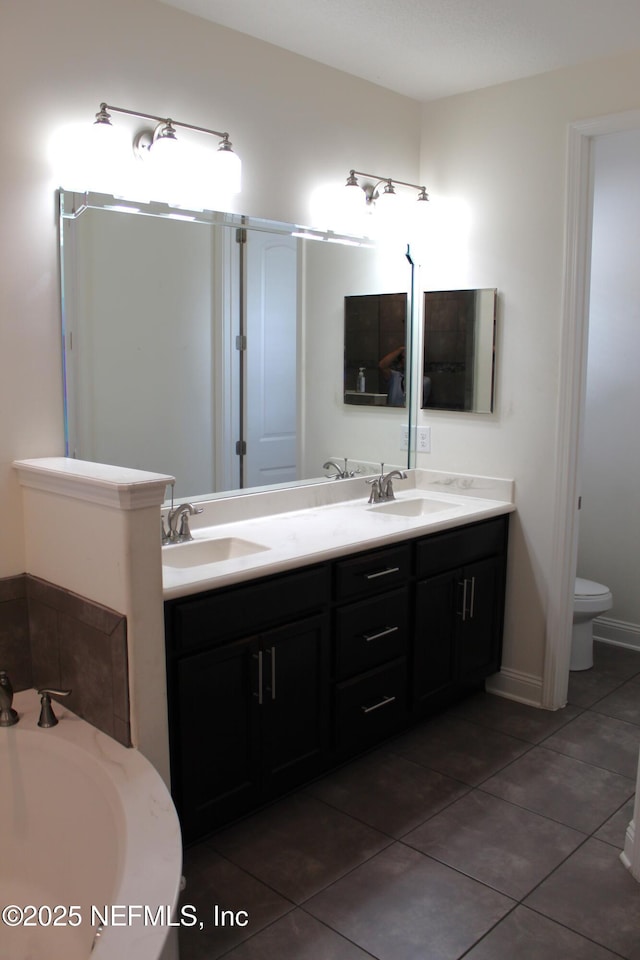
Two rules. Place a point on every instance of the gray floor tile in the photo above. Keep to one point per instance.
(572, 792)
(299, 845)
(618, 661)
(212, 880)
(593, 894)
(615, 829)
(600, 740)
(612, 666)
(388, 792)
(401, 905)
(455, 748)
(298, 936)
(623, 703)
(586, 687)
(515, 719)
(525, 935)
(496, 842)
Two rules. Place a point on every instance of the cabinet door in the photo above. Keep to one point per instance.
(434, 641)
(480, 619)
(216, 775)
(295, 703)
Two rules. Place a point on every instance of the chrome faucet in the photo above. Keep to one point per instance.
(382, 486)
(386, 483)
(342, 473)
(8, 716)
(180, 515)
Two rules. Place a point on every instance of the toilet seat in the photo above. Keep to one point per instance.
(589, 589)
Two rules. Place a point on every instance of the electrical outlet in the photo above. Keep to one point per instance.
(404, 436)
(423, 444)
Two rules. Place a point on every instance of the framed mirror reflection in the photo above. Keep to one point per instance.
(458, 362)
(375, 337)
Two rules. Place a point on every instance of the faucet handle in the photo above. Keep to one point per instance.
(47, 716)
(374, 483)
(8, 716)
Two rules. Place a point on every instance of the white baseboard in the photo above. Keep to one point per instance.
(514, 685)
(617, 632)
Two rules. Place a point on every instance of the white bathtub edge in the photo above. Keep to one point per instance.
(152, 863)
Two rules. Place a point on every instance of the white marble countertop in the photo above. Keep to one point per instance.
(323, 521)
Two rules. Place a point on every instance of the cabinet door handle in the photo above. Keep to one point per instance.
(382, 573)
(463, 613)
(273, 672)
(258, 657)
(376, 706)
(473, 597)
(368, 637)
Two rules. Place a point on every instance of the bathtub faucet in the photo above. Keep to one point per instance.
(47, 716)
(8, 716)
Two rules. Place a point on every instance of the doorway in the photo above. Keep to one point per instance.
(571, 405)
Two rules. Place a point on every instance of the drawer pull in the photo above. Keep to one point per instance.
(382, 573)
(368, 637)
(473, 597)
(463, 613)
(376, 706)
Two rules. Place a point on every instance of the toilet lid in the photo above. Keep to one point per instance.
(588, 588)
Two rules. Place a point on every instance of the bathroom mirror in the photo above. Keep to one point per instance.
(459, 328)
(375, 338)
(209, 345)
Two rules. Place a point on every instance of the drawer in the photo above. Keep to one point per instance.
(371, 632)
(215, 618)
(454, 548)
(370, 573)
(371, 707)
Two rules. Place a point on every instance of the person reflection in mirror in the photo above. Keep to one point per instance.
(392, 370)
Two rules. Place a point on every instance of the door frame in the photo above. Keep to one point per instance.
(571, 396)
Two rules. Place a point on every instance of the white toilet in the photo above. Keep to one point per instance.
(589, 601)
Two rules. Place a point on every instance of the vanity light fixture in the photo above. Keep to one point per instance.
(162, 141)
(371, 190)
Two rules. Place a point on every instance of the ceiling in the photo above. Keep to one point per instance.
(428, 49)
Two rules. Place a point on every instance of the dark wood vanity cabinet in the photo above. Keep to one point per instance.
(273, 681)
(249, 709)
(459, 605)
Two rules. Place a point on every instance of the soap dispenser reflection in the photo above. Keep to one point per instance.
(361, 382)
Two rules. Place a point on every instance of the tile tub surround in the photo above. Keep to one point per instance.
(321, 521)
(93, 529)
(50, 637)
(15, 647)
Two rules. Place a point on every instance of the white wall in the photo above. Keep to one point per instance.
(296, 124)
(498, 156)
(610, 515)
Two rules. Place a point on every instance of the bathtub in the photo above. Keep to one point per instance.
(88, 833)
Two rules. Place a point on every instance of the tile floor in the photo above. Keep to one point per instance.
(491, 832)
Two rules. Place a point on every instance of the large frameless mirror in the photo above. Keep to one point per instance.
(209, 345)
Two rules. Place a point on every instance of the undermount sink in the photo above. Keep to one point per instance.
(415, 507)
(197, 553)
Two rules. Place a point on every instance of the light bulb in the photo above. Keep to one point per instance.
(226, 169)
